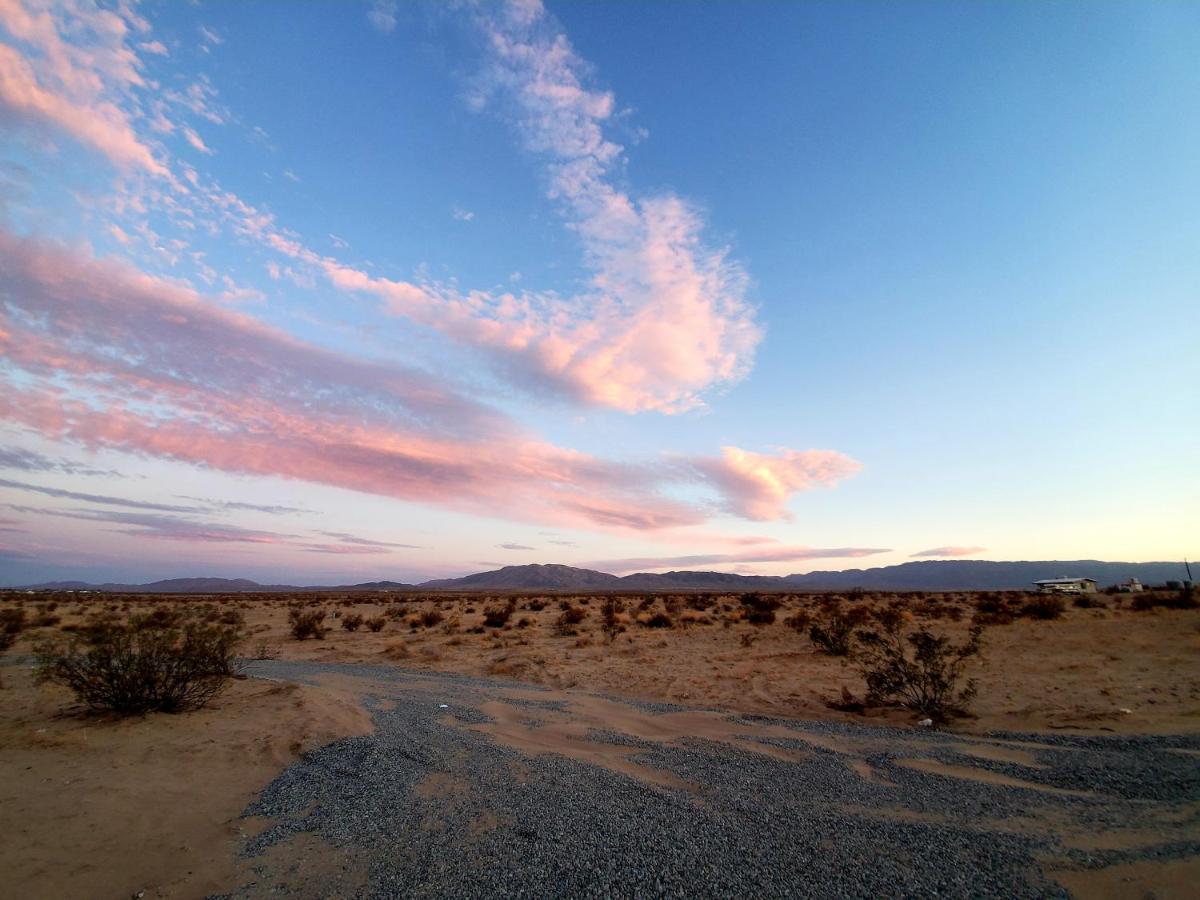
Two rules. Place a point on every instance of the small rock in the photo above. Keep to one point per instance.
(925, 723)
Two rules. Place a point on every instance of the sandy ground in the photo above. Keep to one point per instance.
(92, 806)
(152, 803)
(1099, 670)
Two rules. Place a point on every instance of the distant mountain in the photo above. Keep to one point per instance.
(170, 586)
(701, 581)
(984, 575)
(532, 577)
(924, 575)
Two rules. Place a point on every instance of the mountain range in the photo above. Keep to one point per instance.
(928, 575)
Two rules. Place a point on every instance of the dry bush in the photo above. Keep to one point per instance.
(130, 669)
(536, 605)
(376, 624)
(498, 616)
(1090, 601)
(833, 632)
(759, 609)
(307, 624)
(1183, 598)
(800, 620)
(609, 623)
(658, 620)
(570, 617)
(430, 618)
(918, 669)
(1045, 606)
(352, 622)
(12, 623)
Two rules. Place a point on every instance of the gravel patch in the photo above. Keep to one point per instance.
(433, 808)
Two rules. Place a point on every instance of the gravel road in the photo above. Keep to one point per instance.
(472, 787)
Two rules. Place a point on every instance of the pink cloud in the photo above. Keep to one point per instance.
(758, 486)
(950, 551)
(779, 553)
(74, 88)
(102, 354)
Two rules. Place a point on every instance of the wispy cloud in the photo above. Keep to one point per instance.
(102, 499)
(515, 547)
(779, 553)
(94, 340)
(165, 527)
(382, 16)
(32, 461)
(367, 542)
(950, 551)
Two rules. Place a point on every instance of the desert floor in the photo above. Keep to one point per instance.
(92, 805)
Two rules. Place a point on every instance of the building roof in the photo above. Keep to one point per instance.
(1064, 580)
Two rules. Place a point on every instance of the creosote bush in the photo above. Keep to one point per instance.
(129, 667)
(352, 621)
(376, 624)
(919, 670)
(609, 623)
(759, 609)
(498, 616)
(307, 623)
(833, 632)
(1044, 606)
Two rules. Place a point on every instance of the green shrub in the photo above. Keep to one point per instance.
(129, 668)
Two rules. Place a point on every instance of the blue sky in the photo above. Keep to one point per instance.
(782, 286)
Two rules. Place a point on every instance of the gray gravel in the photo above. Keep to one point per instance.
(513, 825)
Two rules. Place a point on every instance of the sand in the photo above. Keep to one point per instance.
(152, 803)
(93, 806)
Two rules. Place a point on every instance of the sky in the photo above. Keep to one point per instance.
(332, 292)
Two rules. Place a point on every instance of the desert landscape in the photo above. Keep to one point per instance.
(106, 792)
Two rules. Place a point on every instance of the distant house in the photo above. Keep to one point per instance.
(1066, 585)
(1132, 586)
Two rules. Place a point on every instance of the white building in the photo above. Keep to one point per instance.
(1066, 585)
(1132, 586)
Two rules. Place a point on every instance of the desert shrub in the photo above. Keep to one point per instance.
(231, 617)
(498, 616)
(1183, 597)
(12, 623)
(376, 624)
(307, 623)
(130, 669)
(759, 609)
(609, 623)
(658, 620)
(1044, 606)
(918, 669)
(800, 620)
(431, 618)
(536, 605)
(159, 617)
(45, 620)
(1090, 601)
(570, 617)
(352, 622)
(833, 632)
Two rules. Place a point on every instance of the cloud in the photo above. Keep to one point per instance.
(367, 542)
(515, 547)
(775, 554)
(31, 461)
(463, 215)
(196, 141)
(949, 551)
(757, 486)
(99, 353)
(564, 543)
(210, 37)
(664, 318)
(94, 498)
(382, 16)
(165, 527)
